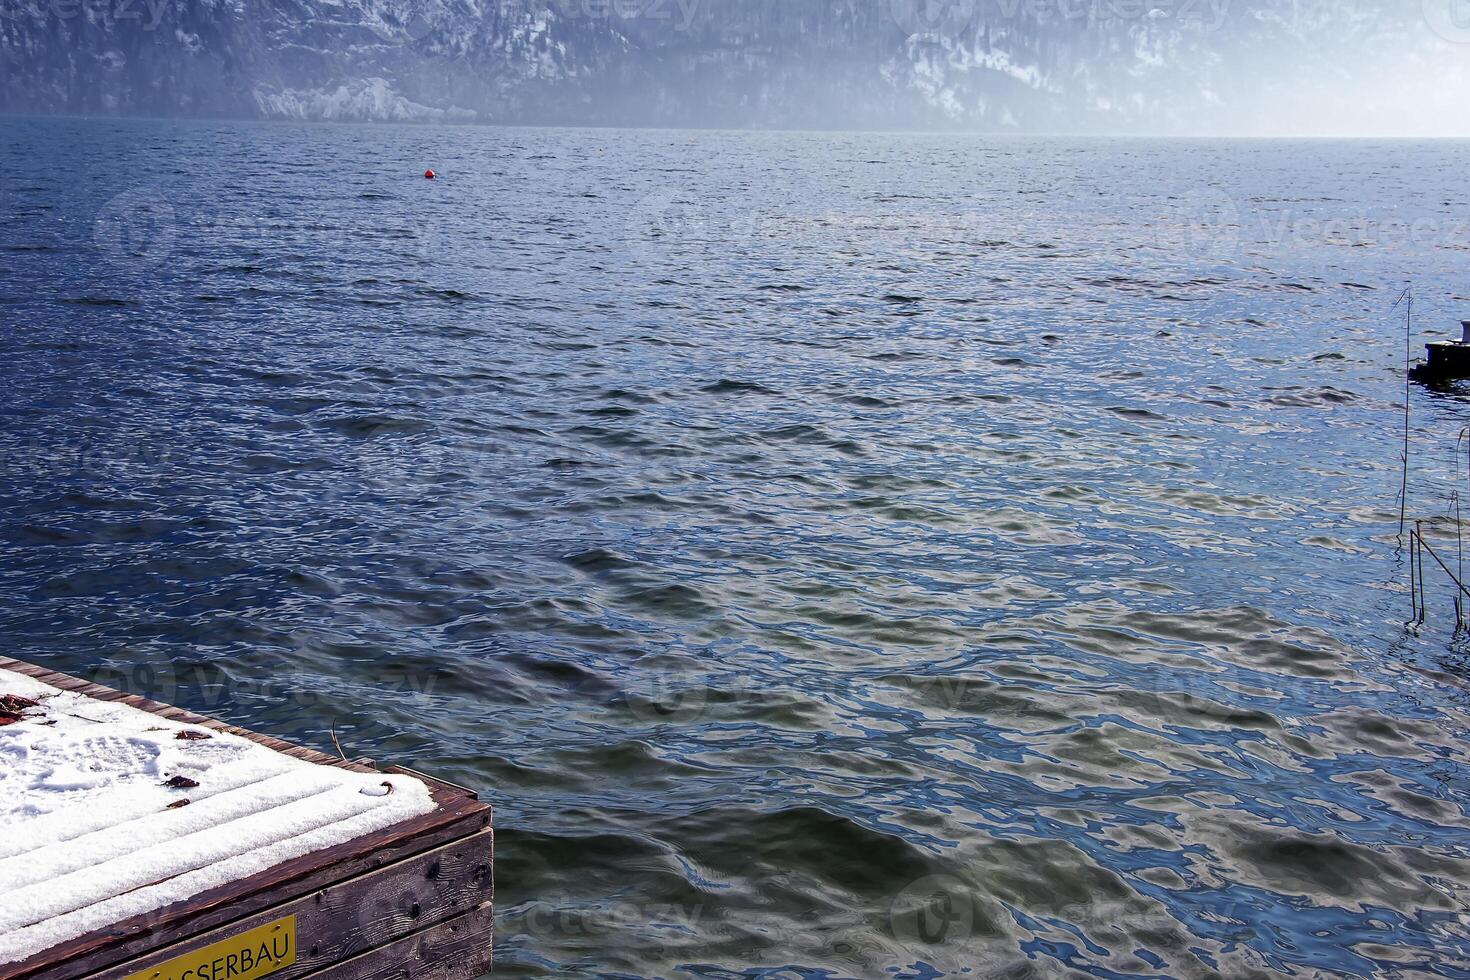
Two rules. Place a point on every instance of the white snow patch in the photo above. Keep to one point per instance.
(1000, 61)
(189, 42)
(364, 100)
(90, 839)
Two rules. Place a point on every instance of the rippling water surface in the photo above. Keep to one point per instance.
(835, 556)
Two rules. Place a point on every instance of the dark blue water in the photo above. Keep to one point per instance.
(835, 556)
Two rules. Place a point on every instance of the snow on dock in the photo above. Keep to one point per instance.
(114, 813)
(111, 812)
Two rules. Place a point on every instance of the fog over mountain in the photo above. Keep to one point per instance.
(1311, 67)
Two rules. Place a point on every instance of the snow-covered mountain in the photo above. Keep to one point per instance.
(1027, 65)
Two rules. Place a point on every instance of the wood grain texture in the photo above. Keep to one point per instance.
(455, 950)
(363, 913)
(457, 814)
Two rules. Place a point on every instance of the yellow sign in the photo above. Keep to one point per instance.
(257, 953)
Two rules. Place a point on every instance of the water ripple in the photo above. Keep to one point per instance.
(835, 556)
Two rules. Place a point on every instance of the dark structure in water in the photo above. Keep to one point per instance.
(1447, 358)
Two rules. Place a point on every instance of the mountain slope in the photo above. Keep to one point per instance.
(1054, 65)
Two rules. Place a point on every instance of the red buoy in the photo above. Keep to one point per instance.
(429, 174)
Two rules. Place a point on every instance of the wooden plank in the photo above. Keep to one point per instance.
(457, 814)
(459, 949)
(454, 819)
(361, 914)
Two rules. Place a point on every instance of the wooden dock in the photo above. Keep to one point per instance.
(408, 901)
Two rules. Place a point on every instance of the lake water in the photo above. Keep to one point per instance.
(833, 555)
